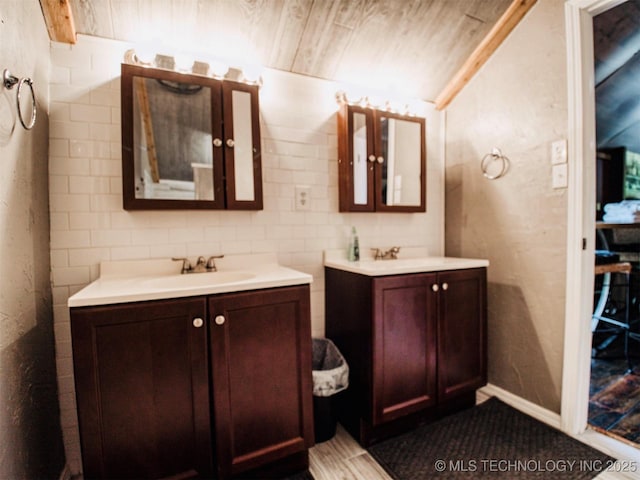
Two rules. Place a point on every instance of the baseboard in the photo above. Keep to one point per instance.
(628, 465)
(525, 406)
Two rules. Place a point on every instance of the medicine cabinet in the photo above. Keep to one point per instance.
(189, 141)
(382, 161)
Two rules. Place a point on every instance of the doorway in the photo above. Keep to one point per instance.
(581, 227)
(614, 393)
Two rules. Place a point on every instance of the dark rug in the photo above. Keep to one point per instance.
(491, 439)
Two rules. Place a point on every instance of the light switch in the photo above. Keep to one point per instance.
(559, 176)
(559, 152)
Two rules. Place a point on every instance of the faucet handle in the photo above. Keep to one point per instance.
(211, 263)
(186, 264)
(377, 253)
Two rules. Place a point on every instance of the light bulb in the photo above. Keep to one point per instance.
(352, 95)
(145, 54)
(252, 72)
(184, 62)
(376, 101)
(218, 68)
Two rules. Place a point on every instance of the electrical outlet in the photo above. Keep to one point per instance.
(559, 152)
(303, 197)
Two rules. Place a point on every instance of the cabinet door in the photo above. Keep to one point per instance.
(356, 152)
(462, 365)
(261, 376)
(143, 390)
(400, 166)
(404, 354)
(243, 165)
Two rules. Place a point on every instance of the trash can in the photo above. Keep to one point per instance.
(330, 376)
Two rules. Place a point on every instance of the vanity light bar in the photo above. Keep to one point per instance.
(365, 101)
(214, 68)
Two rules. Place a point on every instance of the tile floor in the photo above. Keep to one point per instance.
(342, 458)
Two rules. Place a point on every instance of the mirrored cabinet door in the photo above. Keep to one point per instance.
(242, 146)
(400, 165)
(356, 159)
(382, 161)
(361, 167)
(178, 142)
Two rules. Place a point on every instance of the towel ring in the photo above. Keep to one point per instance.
(490, 158)
(32, 122)
(9, 81)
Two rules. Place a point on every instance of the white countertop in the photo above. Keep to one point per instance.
(138, 280)
(413, 261)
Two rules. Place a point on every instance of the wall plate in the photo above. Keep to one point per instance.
(559, 176)
(303, 197)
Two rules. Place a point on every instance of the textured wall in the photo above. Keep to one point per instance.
(299, 145)
(30, 433)
(518, 103)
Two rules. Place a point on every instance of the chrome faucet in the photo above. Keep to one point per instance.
(201, 265)
(391, 254)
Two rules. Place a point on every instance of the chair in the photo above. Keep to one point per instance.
(607, 264)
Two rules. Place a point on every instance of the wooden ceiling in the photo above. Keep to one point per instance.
(617, 76)
(416, 46)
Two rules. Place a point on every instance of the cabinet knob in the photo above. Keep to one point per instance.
(219, 320)
(372, 158)
(380, 160)
(445, 286)
(230, 142)
(217, 142)
(435, 287)
(198, 322)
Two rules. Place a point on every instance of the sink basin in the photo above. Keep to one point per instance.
(193, 280)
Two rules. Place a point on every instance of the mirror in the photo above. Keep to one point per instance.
(172, 140)
(360, 188)
(401, 170)
(189, 141)
(243, 148)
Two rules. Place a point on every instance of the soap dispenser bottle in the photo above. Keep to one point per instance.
(354, 246)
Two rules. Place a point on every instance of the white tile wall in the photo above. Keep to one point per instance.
(299, 144)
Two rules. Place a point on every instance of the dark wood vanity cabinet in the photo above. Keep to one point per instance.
(415, 344)
(381, 161)
(201, 387)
